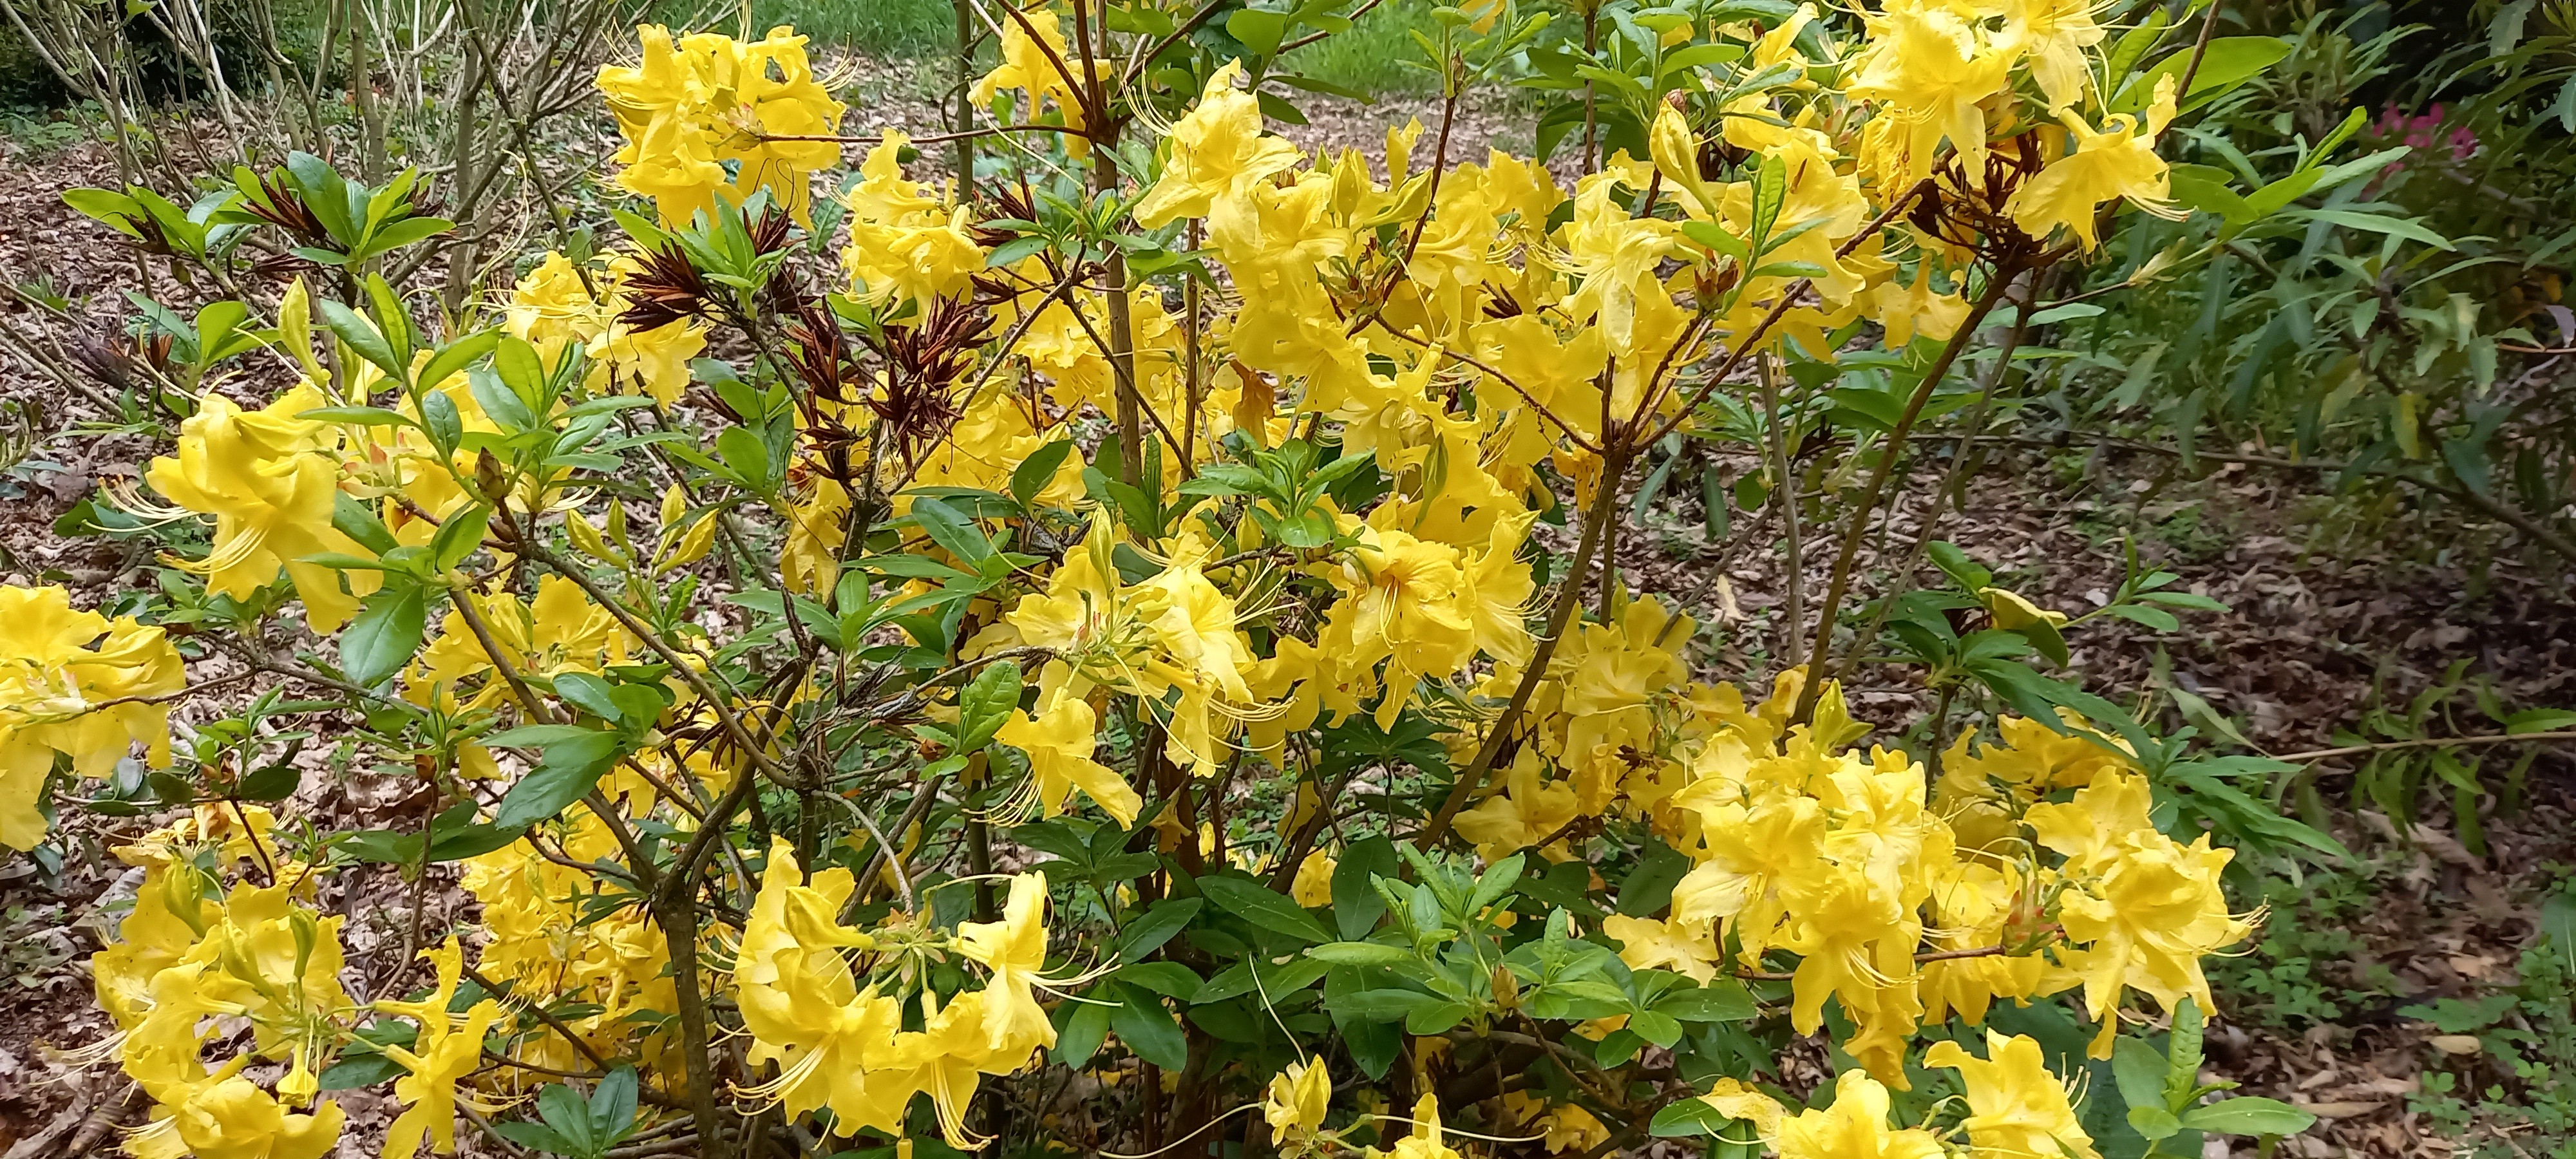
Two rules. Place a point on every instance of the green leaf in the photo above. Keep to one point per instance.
(455, 356)
(356, 333)
(1360, 954)
(986, 704)
(2183, 1046)
(1150, 1030)
(2153, 1122)
(352, 518)
(1436, 1018)
(1722, 1000)
(358, 1071)
(1148, 933)
(1079, 1031)
(2407, 228)
(1258, 30)
(273, 783)
(2139, 1069)
(2249, 1116)
(1253, 903)
(590, 694)
(1386, 1005)
(1356, 904)
(1034, 472)
(1686, 1118)
(2539, 720)
(1953, 562)
(571, 767)
(1649, 887)
(385, 634)
(2184, 600)
(951, 530)
(1171, 979)
(459, 536)
(2229, 61)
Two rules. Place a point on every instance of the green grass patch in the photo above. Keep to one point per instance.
(1372, 56)
(887, 28)
(1368, 58)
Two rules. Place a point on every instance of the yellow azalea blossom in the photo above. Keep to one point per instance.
(443, 1053)
(552, 308)
(1014, 949)
(2013, 613)
(269, 478)
(1528, 811)
(1853, 1126)
(695, 102)
(1314, 884)
(1059, 742)
(1932, 65)
(1218, 152)
(2054, 35)
(1738, 1100)
(905, 245)
(2147, 907)
(560, 631)
(2117, 163)
(1424, 1142)
(1295, 1102)
(2016, 1107)
(225, 1116)
(59, 671)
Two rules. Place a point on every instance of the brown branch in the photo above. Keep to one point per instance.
(1870, 492)
(2427, 742)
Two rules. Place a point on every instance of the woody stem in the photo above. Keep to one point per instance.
(1569, 596)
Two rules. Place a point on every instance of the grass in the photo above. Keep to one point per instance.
(885, 28)
(1369, 58)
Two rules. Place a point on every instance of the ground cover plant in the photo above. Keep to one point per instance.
(1078, 623)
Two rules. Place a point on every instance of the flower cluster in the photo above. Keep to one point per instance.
(74, 683)
(695, 104)
(840, 1044)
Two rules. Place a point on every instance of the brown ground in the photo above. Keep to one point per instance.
(2312, 627)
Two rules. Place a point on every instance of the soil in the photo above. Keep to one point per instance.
(2318, 633)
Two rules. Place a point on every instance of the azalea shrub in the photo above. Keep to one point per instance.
(1117, 647)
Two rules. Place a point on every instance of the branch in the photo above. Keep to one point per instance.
(1869, 494)
(2426, 742)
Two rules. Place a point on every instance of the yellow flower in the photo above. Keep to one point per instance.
(1931, 66)
(225, 1116)
(268, 478)
(2147, 907)
(1424, 1142)
(2054, 34)
(1907, 311)
(1314, 884)
(693, 103)
(1014, 949)
(1527, 812)
(444, 1052)
(1853, 1126)
(1059, 742)
(2017, 1108)
(560, 631)
(1297, 1098)
(55, 670)
(2118, 162)
(1218, 153)
(552, 309)
(1031, 66)
(1738, 1100)
(1648, 944)
(1402, 603)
